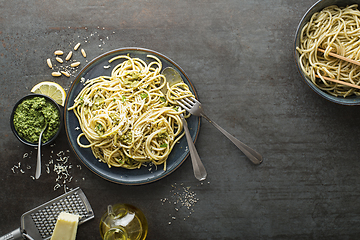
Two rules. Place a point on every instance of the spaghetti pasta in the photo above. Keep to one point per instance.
(337, 30)
(126, 118)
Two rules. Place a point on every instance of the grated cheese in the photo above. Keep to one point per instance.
(58, 163)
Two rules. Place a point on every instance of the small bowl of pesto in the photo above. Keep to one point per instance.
(29, 116)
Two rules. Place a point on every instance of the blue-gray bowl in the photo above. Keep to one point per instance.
(317, 7)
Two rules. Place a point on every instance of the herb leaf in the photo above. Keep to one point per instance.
(143, 95)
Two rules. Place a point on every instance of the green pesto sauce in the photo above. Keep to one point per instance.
(30, 117)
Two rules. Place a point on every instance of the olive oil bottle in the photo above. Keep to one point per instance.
(123, 222)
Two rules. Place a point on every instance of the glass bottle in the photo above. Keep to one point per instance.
(123, 222)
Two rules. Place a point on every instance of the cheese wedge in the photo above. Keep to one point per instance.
(66, 227)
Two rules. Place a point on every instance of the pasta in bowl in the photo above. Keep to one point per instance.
(129, 132)
(333, 26)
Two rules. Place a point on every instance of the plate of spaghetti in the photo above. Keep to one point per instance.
(122, 120)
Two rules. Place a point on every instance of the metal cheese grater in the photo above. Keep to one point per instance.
(39, 223)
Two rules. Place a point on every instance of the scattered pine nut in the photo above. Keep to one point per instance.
(56, 74)
(75, 64)
(59, 60)
(58, 52)
(68, 56)
(48, 61)
(77, 46)
(83, 53)
(65, 73)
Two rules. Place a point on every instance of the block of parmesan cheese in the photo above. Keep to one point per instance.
(66, 227)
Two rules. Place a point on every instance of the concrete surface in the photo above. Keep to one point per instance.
(239, 56)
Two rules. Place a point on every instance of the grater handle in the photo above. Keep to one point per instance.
(14, 235)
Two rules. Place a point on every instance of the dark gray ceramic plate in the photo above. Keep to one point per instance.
(119, 175)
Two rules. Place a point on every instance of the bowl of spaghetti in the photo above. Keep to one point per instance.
(121, 123)
(332, 26)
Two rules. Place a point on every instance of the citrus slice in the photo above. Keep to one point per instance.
(52, 90)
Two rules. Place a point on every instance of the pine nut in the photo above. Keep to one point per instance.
(83, 53)
(65, 73)
(68, 56)
(75, 64)
(77, 46)
(56, 74)
(58, 52)
(48, 61)
(59, 60)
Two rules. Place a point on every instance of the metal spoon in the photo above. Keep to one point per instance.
(38, 162)
(173, 77)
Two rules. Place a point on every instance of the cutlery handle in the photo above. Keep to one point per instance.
(14, 235)
(38, 162)
(254, 156)
(198, 167)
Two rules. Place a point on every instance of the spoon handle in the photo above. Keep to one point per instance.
(38, 160)
(198, 167)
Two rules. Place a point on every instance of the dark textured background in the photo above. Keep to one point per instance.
(239, 56)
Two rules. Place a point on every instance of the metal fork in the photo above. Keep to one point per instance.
(194, 107)
(198, 167)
